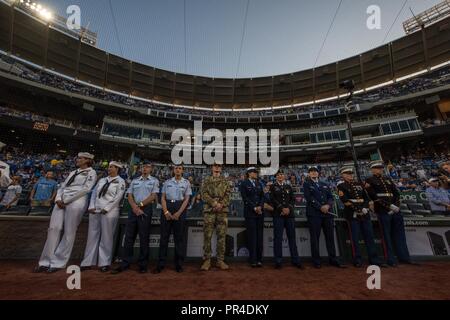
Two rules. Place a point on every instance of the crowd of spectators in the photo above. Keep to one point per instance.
(40, 174)
(422, 82)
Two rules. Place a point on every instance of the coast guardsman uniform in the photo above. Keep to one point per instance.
(175, 192)
(357, 214)
(74, 193)
(252, 192)
(215, 190)
(282, 197)
(318, 194)
(386, 198)
(105, 201)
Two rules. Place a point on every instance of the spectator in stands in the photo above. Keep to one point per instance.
(4, 180)
(406, 185)
(392, 171)
(444, 175)
(12, 194)
(44, 191)
(4, 173)
(438, 197)
(421, 173)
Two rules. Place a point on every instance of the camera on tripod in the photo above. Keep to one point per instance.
(348, 85)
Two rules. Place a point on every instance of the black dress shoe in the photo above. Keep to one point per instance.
(179, 269)
(259, 264)
(337, 264)
(143, 270)
(119, 270)
(381, 265)
(158, 269)
(298, 265)
(53, 270)
(358, 265)
(40, 269)
(317, 265)
(412, 263)
(104, 269)
(86, 268)
(278, 266)
(253, 265)
(392, 264)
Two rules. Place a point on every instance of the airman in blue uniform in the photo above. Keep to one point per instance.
(319, 203)
(141, 195)
(175, 196)
(252, 192)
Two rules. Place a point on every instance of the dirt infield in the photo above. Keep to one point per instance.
(431, 280)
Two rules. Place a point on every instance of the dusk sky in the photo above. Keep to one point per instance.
(207, 37)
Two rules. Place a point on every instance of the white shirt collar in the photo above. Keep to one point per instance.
(109, 178)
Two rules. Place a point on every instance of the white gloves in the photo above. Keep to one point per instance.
(394, 209)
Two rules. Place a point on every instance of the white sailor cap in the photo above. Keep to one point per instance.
(86, 155)
(252, 169)
(377, 164)
(434, 179)
(346, 169)
(116, 164)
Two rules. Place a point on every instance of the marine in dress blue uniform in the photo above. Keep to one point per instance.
(141, 195)
(319, 202)
(386, 198)
(252, 192)
(282, 200)
(357, 213)
(175, 196)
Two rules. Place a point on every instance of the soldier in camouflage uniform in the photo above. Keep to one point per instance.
(215, 193)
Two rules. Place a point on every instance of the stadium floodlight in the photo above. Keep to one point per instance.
(35, 8)
(47, 15)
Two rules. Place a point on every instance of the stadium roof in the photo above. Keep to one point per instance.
(40, 43)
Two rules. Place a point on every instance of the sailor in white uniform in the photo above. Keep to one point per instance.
(71, 202)
(104, 214)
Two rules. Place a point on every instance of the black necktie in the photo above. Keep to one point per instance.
(72, 179)
(104, 189)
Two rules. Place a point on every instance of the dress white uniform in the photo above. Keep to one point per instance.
(57, 251)
(99, 244)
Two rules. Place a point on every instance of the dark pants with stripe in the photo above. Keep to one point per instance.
(137, 225)
(316, 224)
(178, 229)
(393, 232)
(255, 228)
(279, 225)
(364, 226)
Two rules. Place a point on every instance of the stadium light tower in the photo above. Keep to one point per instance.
(349, 85)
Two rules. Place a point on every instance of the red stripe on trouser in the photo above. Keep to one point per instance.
(351, 238)
(383, 241)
